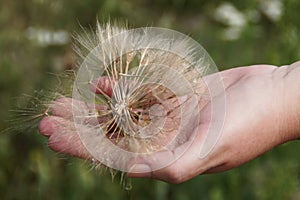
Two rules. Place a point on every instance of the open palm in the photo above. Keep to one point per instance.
(251, 126)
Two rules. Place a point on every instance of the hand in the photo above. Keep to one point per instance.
(256, 116)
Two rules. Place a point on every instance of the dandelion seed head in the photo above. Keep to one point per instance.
(149, 80)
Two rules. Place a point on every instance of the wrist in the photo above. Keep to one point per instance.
(289, 83)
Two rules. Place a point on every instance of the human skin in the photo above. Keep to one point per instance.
(262, 111)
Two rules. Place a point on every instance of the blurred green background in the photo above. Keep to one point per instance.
(36, 41)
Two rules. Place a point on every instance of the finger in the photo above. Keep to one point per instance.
(62, 107)
(67, 108)
(103, 85)
(48, 124)
(63, 137)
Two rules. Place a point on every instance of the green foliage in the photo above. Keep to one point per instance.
(29, 170)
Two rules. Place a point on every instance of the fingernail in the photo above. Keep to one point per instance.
(140, 168)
